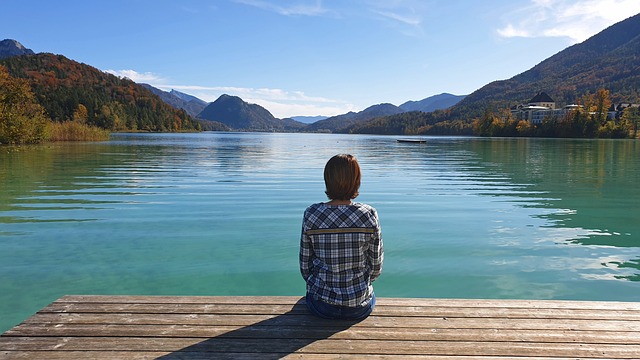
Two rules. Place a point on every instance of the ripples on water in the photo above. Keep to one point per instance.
(220, 214)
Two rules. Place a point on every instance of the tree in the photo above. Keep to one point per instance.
(22, 119)
(597, 105)
(81, 114)
(630, 118)
(603, 103)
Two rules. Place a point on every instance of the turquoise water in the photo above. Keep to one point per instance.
(220, 214)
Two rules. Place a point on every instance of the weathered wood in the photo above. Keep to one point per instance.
(146, 327)
(381, 310)
(322, 346)
(308, 320)
(117, 355)
(287, 332)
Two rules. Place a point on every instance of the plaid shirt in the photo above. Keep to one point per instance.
(341, 252)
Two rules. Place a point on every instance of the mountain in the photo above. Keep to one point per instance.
(432, 103)
(191, 104)
(188, 98)
(65, 87)
(240, 115)
(10, 48)
(339, 122)
(607, 60)
(308, 119)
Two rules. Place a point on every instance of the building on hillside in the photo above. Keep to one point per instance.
(544, 100)
(539, 108)
(616, 110)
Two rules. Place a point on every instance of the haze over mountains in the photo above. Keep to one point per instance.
(254, 117)
(607, 60)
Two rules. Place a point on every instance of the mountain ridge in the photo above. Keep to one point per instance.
(604, 60)
(433, 103)
(339, 122)
(191, 104)
(607, 60)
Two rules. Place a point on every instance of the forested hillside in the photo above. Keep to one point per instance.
(608, 60)
(68, 89)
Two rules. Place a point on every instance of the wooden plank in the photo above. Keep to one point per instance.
(308, 320)
(291, 332)
(259, 309)
(119, 355)
(422, 302)
(319, 346)
(157, 299)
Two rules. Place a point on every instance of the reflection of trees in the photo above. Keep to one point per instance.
(592, 183)
(53, 176)
(631, 264)
(596, 179)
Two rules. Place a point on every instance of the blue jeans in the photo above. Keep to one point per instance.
(328, 311)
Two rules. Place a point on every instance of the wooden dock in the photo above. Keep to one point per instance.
(168, 327)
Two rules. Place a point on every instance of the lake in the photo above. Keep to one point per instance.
(221, 213)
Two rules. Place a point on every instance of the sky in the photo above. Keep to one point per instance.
(310, 57)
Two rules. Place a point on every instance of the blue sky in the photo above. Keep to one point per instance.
(310, 57)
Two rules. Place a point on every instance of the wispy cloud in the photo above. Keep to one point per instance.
(281, 103)
(407, 19)
(576, 20)
(290, 8)
(405, 15)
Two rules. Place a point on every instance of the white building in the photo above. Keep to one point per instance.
(539, 108)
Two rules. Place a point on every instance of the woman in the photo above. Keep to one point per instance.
(341, 250)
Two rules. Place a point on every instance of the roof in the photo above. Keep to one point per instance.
(541, 97)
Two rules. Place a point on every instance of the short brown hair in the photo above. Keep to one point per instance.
(342, 177)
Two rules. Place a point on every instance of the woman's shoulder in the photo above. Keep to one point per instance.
(316, 206)
(364, 206)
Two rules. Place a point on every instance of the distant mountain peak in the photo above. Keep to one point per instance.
(10, 47)
(432, 103)
(240, 115)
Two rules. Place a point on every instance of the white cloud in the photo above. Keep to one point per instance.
(576, 20)
(146, 77)
(511, 31)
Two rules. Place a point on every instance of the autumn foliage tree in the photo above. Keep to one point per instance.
(22, 119)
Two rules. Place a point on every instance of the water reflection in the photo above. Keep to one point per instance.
(590, 188)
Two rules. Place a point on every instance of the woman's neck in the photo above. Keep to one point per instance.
(339, 202)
